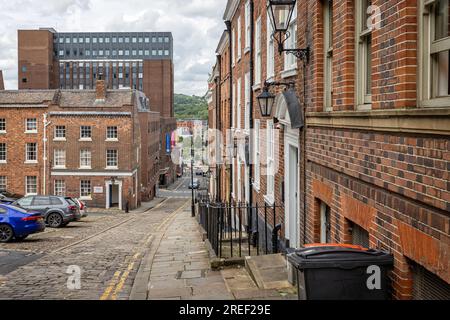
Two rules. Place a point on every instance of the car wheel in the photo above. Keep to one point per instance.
(6, 233)
(54, 220)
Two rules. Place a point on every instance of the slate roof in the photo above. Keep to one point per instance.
(64, 98)
(26, 97)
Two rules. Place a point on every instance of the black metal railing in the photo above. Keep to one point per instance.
(237, 229)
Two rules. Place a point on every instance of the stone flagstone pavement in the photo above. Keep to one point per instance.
(178, 265)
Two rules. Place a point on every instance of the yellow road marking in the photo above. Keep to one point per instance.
(117, 282)
(111, 286)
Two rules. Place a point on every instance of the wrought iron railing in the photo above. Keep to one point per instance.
(237, 229)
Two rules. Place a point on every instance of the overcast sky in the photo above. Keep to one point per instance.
(196, 26)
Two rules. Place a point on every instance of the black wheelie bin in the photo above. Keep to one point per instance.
(341, 272)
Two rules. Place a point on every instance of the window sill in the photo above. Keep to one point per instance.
(246, 50)
(31, 132)
(30, 194)
(85, 139)
(289, 73)
(3, 161)
(59, 167)
(270, 79)
(59, 139)
(112, 168)
(269, 199)
(2, 132)
(31, 162)
(85, 198)
(85, 168)
(364, 107)
(112, 140)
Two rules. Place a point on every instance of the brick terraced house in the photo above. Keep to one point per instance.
(143, 61)
(97, 145)
(371, 165)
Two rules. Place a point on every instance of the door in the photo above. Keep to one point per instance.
(292, 197)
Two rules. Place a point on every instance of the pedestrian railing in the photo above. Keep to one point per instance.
(237, 229)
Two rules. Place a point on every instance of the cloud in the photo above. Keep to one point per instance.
(196, 26)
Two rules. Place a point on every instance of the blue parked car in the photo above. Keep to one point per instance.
(18, 223)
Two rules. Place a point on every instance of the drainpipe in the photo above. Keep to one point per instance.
(46, 124)
(218, 101)
(252, 80)
(228, 24)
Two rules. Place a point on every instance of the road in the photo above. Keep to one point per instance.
(106, 248)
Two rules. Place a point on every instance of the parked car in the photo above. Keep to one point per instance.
(57, 211)
(195, 184)
(81, 206)
(8, 198)
(18, 223)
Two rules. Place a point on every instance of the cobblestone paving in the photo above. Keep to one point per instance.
(108, 249)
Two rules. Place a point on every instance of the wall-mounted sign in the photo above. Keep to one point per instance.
(98, 189)
(168, 147)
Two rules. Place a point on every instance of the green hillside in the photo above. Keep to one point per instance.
(190, 107)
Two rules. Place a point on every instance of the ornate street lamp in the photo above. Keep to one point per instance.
(266, 101)
(280, 14)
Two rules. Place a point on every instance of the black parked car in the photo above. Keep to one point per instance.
(56, 211)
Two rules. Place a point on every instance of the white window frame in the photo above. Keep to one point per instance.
(27, 122)
(28, 152)
(290, 61)
(59, 129)
(270, 162)
(85, 159)
(328, 55)
(81, 133)
(59, 159)
(257, 154)
(5, 152)
(60, 188)
(85, 190)
(109, 159)
(363, 33)
(247, 101)
(112, 138)
(233, 106)
(238, 103)
(27, 185)
(270, 69)
(239, 39)
(233, 47)
(247, 26)
(428, 94)
(3, 120)
(258, 53)
(3, 183)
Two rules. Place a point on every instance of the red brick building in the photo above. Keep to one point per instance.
(48, 59)
(100, 146)
(371, 166)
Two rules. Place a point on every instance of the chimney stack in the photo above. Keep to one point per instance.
(2, 85)
(100, 90)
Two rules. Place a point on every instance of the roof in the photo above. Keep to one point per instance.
(87, 98)
(65, 98)
(26, 97)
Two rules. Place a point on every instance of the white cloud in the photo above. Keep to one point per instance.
(196, 26)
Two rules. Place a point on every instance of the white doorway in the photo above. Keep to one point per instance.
(291, 196)
(113, 194)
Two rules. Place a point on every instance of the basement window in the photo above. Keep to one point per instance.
(360, 236)
(427, 285)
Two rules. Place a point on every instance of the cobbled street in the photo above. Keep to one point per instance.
(107, 247)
